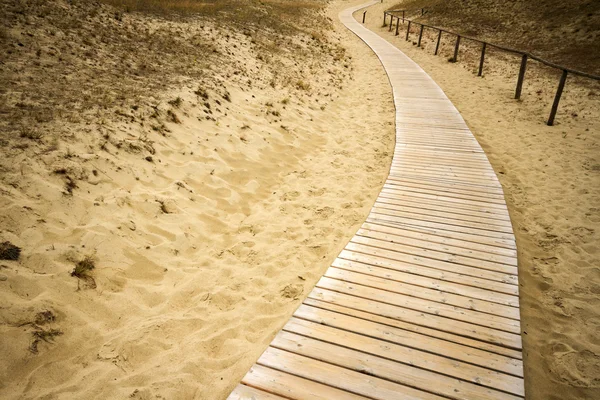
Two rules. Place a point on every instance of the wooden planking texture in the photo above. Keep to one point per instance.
(423, 302)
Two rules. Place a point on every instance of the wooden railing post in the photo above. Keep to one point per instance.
(521, 76)
(391, 22)
(420, 35)
(455, 58)
(407, 30)
(403, 16)
(397, 25)
(384, 18)
(481, 59)
(364, 14)
(561, 86)
(437, 45)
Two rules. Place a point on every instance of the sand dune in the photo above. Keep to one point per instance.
(206, 231)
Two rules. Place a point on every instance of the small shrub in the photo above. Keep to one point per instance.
(70, 185)
(83, 267)
(163, 207)
(31, 134)
(173, 117)
(201, 93)
(43, 335)
(177, 102)
(9, 251)
(302, 85)
(44, 317)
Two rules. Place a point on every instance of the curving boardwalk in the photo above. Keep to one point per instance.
(423, 302)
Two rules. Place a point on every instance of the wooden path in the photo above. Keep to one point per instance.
(423, 303)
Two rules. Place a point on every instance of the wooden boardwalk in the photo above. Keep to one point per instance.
(423, 302)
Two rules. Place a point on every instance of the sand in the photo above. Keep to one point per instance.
(551, 180)
(205, 234)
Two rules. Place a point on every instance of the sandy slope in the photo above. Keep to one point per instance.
(551, 179)
(203, 249)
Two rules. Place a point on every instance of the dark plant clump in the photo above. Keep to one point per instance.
(83, 267)
(177, 102)
(44, 317)
(70, 185)
(43, 335)
(173, 117)
(202, 93)
(9, 251)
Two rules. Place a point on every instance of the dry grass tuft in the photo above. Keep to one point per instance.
(84, 267)
(176, 102)
(40, 335)
(173, 117)
(44, 317)
(9, 251)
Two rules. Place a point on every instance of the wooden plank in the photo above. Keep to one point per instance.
(378, 260)
(430, 321)
(479, 174)
(488, 199)
(468, 209)
(448, 148)
(396, 222)
(438, 144)
(291, 386)
(428, 237)
(450, 185)
(380, 367)
(448, 224)
(343, 378)
(439, 156)
(471, 175)
(414, 209)
(419, 292)
(477, 201)
(476, 173)
(439, 223)
(445, 189)
(428, 366)
(430, 263)
(364, 311)
(408, 336)
(464, 249)
(430, 283)
(419, 138)
(427, 205)
(491, 328)
(432, 124)
(405, 133)
(474, 170)
(406, 248)
(446, 175)
(243, 392)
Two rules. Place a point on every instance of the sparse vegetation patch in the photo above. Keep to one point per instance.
(9, 251)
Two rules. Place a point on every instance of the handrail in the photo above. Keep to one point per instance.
(524, 56)
(508, 49)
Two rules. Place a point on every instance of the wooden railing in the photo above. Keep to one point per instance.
(525, 56)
